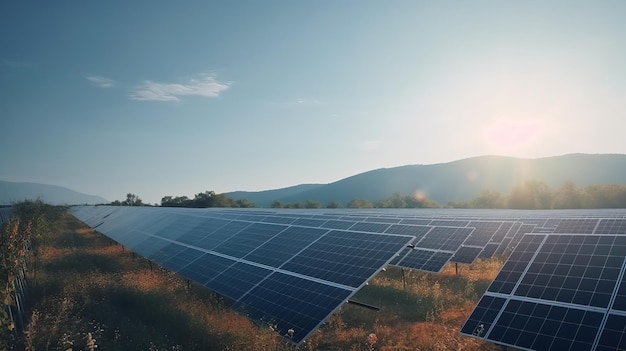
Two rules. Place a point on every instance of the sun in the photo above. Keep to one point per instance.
(508, 135)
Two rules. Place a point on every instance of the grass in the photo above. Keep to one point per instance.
(88, 291)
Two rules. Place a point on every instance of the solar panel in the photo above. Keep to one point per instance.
(273, 266)
(466, 254)
(554, 292)
(444, 238)
(562, 287)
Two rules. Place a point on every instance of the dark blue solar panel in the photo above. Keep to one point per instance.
(278, 220)
(336, 224)
(284, 246)
(415, 258)
(389, 220)
(414, 221)
(538, 326)
(193, 236)
(489, 250)
(403, 229)
(370, 227)
(309, 222)
(205, 268)
(574, 269)
(347, 258)
(482, 234)
(613, 335)
(449, 223)
(181, 260)
(466, 254)
(285, 302)
(149, 246)
(512, 270)
(576, 225)
(235, 281)
(167, 252)
(444, 238)
(249, 239)
(611, 226)
(224, 233)
(483, 316)
(437, 261)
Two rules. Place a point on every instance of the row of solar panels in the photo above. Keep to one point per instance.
(293, 268)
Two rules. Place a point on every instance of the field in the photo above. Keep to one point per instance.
(87, 292)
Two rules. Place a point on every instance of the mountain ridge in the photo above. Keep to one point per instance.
(11, 192)
(458, 180)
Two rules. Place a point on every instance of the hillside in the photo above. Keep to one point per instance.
(11, 192)
(458, 180)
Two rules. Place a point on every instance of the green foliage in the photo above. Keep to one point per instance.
(204, 200)
(333, 204)
(534, 194)
(360, 203)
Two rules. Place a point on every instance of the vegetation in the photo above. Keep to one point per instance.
(204, 200)
(31, 224)
(90, 292)
(534, 194)
(394, 201)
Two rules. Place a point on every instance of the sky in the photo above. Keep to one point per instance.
(175, 98)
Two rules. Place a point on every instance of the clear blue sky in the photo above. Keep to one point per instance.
(178, 97)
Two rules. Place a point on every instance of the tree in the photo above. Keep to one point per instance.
(132, 200)
(360, 203)
(276, 204)
(333, 204)
(570, 196)
(488, 199)
(312, 204)
(533, 194)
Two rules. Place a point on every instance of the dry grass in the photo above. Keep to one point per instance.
(89, 291)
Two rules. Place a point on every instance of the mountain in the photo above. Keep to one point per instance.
(457, 180)
(11, 192)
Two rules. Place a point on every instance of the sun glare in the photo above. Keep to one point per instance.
(512, 134)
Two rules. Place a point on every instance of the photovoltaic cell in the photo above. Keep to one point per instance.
(236, 280)
(415, 230)
(611, 226)
(538, 326)
(613, 336)
(489, 250)
(444, 238)
(576, 225)
(248, 239)
(511, 272)
(483, 316)
(574, 269)
(466, 254)
(370, 227)
(285, 302)
(284, 246)
(206, 268)
(346, 258)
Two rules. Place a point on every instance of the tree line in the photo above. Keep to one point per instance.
(394, 201)
(532, 194)
(535, 194)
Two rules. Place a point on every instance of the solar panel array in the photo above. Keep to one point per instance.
(290, 276)
(561, 290)
(292, 268)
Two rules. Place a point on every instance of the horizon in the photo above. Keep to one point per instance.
(191, 196)
(175, 99)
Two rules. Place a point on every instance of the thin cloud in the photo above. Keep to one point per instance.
(102, 82)
(205, 86)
